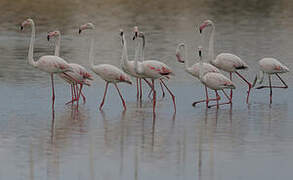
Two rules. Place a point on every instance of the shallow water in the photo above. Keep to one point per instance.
(242, 142)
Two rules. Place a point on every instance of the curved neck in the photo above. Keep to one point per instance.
(138, 69)
(211, 45)
(57, 46)
(124, 58)
(91, 54)
(186, 61)
(31, 47)
(200, 68)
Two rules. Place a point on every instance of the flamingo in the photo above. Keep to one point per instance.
(195, 69)
(271, 66)
(128, 66)
(215, 81)
(50, 64)
(153, 69)
(79, 72)
(109, 73)
(225, 61)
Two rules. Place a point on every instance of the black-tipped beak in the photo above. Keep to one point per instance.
(200, 30)
(135, 36)
(48, 37)
(21, 28)
(121, 33)
(79, 31)
(199, 53)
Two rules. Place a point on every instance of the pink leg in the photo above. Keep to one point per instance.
(154, 96)
(83, 97)
(207, 100)
(249, 86)
(79, 92)
(226, 95)
(271, 90)
(161, 81)
(217, 95)
(103, 101)
(53, 91)
(172, 95)
(231, 91)
(140, 87)
(72, 98)
(123, 102)
(137, 90)
(283, 82)
(150, 85)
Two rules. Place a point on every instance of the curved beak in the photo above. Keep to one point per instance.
(135, 36)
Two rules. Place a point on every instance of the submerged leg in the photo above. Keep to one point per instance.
(207, 100)
(123, 102)
(218, 104)
(161, 81)
(249, 85)
(231, 91)
(103, 101)
(53, 91)
(283, 82)
(140, 88)
(154, 96)
(171, 94)
(271, 90)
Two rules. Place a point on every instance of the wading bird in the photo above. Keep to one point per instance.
(50, 64)
(271, 66)
(79, 72)
(215, 81)
(107, 72)
(225, 61)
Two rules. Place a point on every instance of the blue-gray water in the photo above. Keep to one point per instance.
(245, 142)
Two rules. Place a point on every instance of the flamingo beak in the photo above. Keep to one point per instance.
(48, 37)
(21, 27)
(79, 31)
(135, 36)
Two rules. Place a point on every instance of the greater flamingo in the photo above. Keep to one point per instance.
(271, 66)
(79, 72)
(129, 66)
(153, 69)
(107, 72)
(195, 69)
(215, 81)
(225, 61)
(50, 64)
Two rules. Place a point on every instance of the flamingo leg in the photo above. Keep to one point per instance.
(249, 85)
(207, 100)
(271, 90)
(140, 88)
(123, 102)
(231, 91)
(81, 85)
(81, 94)
(103, 101)
(218, 104)
(151, 86)
(137, 90)
(53, 91)
(161, 81)
(72, 98)
(283, 82)
(154, 96)
(170, 92)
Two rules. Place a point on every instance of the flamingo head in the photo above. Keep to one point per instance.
(53, 34)
(205, 24)
(135, 31)
(28, 21)
(86, 26)
(199, 51)
(122, 34)
(141, 35)
(178, 55)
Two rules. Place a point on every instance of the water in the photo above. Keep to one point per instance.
(245, 142)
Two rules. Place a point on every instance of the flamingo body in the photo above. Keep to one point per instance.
(272, 66)
(111, 73)
(206, 68)
(229, 62)
(52, 64)
(155, 69)
(217, 81)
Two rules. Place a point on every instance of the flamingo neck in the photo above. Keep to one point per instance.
(57, 46)
(200, 68)
(91, 54)
(31, 47)
(124, 58)
(186, 60)
(211, 45)
(137, 67)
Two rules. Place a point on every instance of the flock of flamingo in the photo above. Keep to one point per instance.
(150, 70)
